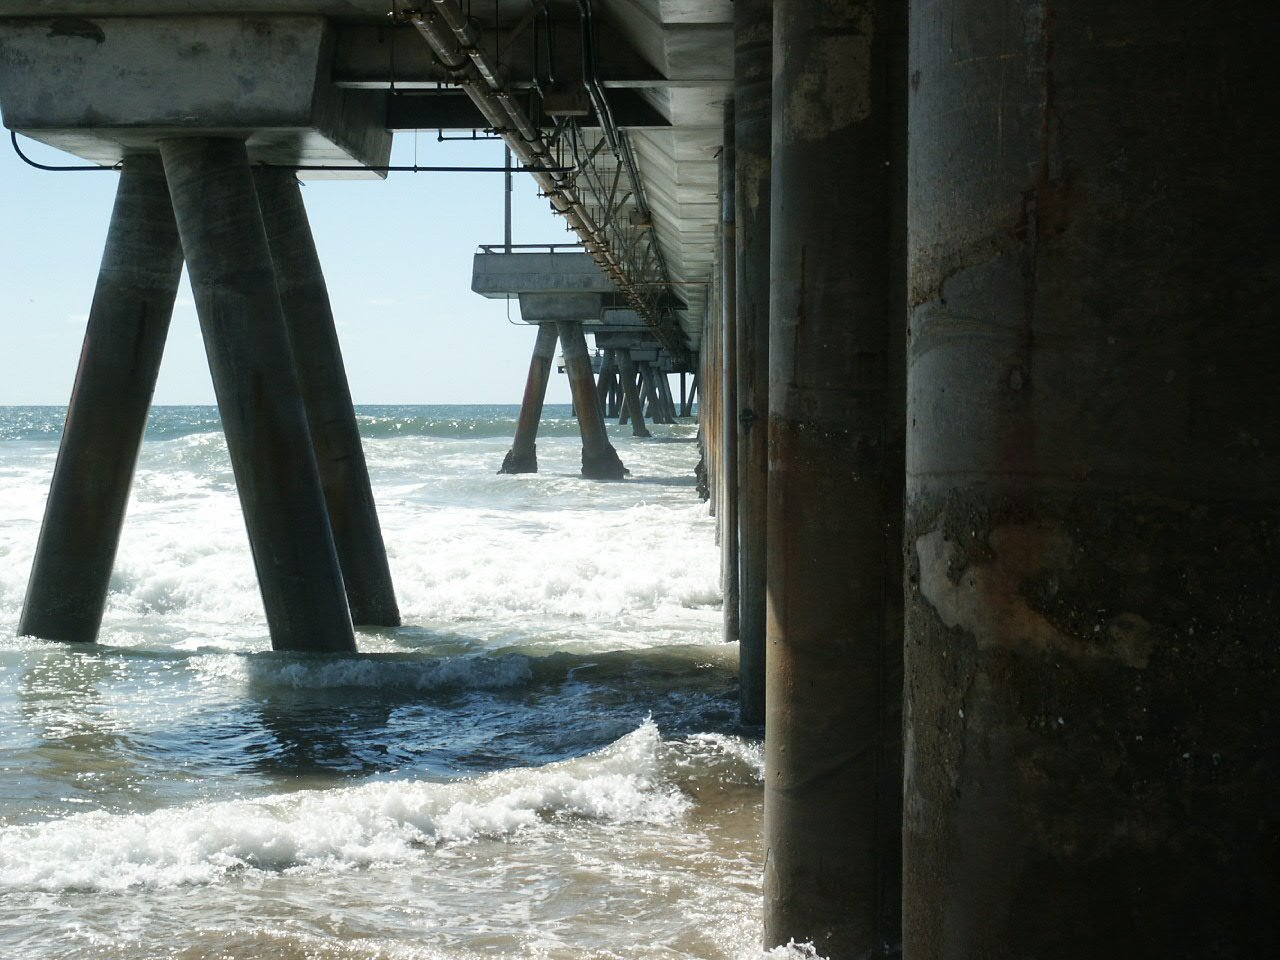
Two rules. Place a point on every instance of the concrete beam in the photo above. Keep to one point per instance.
(554, 307)
(375, 56)
(622, 340)
(451, 110)
(501, 275)
(103, 88)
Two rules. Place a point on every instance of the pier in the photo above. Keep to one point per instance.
(980, 305)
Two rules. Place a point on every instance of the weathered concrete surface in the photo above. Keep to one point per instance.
(554, 307)
(606, 381)
(498, 275)
(653, 390)
(1093, 508)
(727, 410)
(102, 88)
(107, 415)
(753, 118)
(523, 455)
(317, 355)
(832, 803)
(599, 459)
(632, 407)
(259, 399)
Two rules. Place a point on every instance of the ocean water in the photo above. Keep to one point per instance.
(543, 762)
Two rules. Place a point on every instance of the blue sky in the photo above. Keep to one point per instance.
(397, 257)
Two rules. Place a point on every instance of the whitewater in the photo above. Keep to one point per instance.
(543, 762)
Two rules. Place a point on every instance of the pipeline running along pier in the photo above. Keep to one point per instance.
(981, 299)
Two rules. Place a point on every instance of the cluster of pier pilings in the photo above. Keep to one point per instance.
(988, 418)
(992, 441)
(281, 389)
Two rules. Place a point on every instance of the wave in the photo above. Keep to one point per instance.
(381, 823)
(794, 951)
(381, 672)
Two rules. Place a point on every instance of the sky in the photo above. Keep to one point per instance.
(397, 259)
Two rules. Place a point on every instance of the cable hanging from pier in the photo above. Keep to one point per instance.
(455, 42)
(55, 168)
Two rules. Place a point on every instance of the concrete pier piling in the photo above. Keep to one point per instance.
(1051, 527)
(613, 402)
(335, 436)
(832, 802)
(664, 392)
(727, 411)
(263, 416)
(599, 459)
(604, 382)
(632, 407)
(646, 391)
(523, 455)
(653, 391)
(1092, 530)
(107, 415)
(686, 405)
(709, 391)
(752, 94)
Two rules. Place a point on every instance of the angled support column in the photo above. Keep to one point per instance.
(631, 403)
(673, 409)
(317, 354)
(833, 754)
(604, 382)
(258, 394)
(752, 93)
(523, 455)
(651, 394)
(614, 401)
(107, 416)
(599, 459)
(646, 390)
(664, 396)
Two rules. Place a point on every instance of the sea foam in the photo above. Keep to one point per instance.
(383, 822)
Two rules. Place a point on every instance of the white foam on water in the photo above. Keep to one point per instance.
(642, 564)
(376, 673)
(608, 565)
(724, 756)
(791, 951)
(339, 829)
